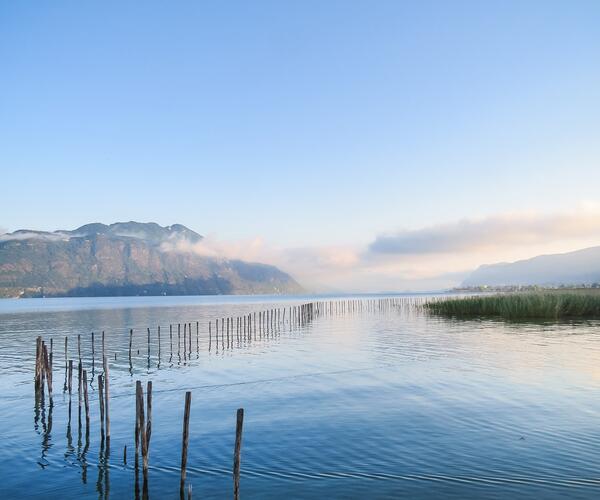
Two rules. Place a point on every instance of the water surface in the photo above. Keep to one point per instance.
(376, 404)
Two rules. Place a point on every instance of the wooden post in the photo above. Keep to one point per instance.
(130, 342)
(141, 423)
(70, 378)
(79, 386)
(106, 397)
(101, 401)
(66, 366)
(38, 365)
(86, 401)
(237, 453)
(185, 439)
(137, 421)
(149, 405)
(184, 340)
(47, 368)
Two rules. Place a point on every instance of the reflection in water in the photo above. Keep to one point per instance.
(103, 482)
(40, 417)
(375, 405)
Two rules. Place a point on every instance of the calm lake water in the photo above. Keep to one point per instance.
(394, 404)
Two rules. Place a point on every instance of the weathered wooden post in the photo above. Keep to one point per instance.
(141, 423)
(237, 453)
(101, 403)
(86, 402)
(70, 378)
(185, 440)
(106, 397)
(130, 342)
(149, 407)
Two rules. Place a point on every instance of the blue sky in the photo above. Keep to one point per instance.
(305, 124)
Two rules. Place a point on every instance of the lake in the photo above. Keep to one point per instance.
(372, 403)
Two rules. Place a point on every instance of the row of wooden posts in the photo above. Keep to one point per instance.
(224, 332)
(143, 418)
(242, 328)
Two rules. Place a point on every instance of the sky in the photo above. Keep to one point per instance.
(358, 145)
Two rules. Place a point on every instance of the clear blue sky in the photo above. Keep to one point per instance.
(308, 122)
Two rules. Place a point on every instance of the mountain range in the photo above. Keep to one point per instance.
(573, 268)
(126, 258)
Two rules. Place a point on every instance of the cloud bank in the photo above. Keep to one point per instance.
(432, 257)
(490, 233)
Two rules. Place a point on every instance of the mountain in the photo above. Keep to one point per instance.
(572, 268)
(126, 258)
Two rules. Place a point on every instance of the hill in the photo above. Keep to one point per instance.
(572, 268)
(129, 258)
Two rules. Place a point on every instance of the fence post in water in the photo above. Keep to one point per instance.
(139, 393)
(130, 342)
(70, 378)
(101, 401)
(185, 440)
(47, 369)
(237, 452)
(79, 386)
(38, 364)
(66, 365)
(149, 406)
(159, 345)
(137, 421)
(86, 402)
(106, 397)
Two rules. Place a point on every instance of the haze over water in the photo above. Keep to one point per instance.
(372, 404)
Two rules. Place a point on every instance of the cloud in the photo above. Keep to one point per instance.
(29, 235)
(312, 266)
(491, 233)
(428, 258)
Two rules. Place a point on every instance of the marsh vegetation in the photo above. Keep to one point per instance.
(540, 305)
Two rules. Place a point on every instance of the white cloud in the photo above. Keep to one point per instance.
(492, 233)
(28, 235)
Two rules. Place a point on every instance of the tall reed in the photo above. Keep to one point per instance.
(542, 305)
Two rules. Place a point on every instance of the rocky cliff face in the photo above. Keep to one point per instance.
(126, 259)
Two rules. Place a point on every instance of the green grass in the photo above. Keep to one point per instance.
(538, 305)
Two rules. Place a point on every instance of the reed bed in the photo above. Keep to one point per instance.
(534, 305)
